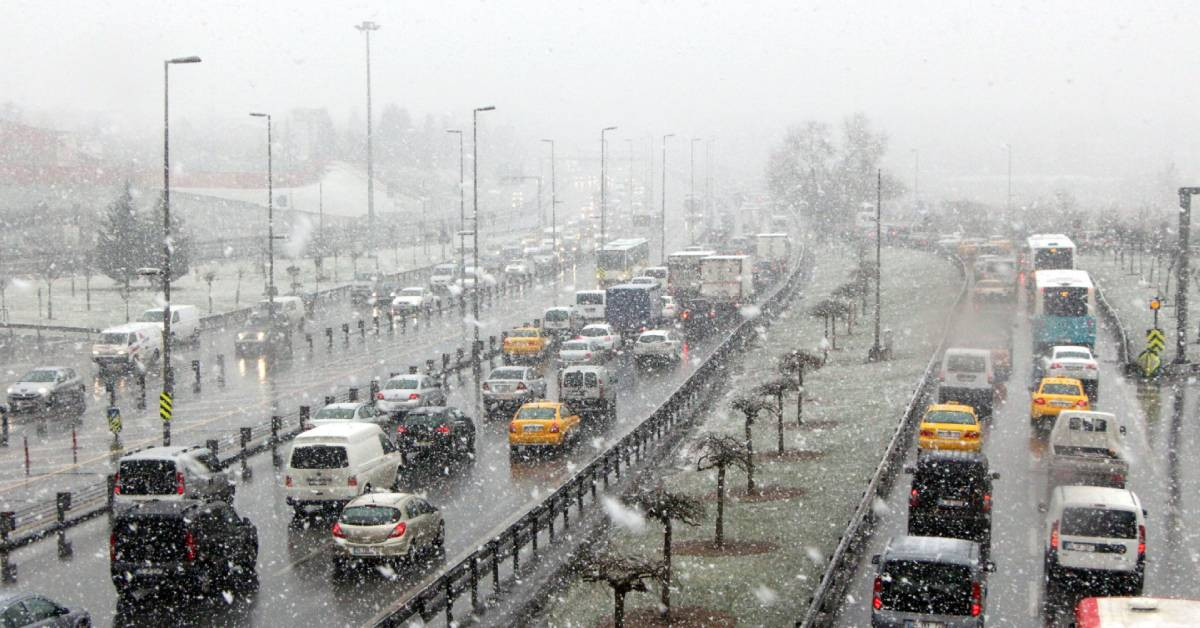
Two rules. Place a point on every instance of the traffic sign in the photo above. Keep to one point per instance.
(1155, 340)
(1155, 303)
(114, 419)
(1149, 363)
(165, 406)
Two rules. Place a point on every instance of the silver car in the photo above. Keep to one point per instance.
(351, 411)
(386, 527)
(582, 351)
(507, 387)
(405, 392)
(31, 609)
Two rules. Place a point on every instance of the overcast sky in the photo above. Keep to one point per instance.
(1094, 89)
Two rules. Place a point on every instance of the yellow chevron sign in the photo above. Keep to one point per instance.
(165, 406)
(1155, 340)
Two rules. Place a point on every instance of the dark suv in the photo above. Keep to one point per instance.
(191, 545)
(439, 432)
(930, 581)
(951, 496)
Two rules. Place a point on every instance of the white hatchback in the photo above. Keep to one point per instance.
(604, 335)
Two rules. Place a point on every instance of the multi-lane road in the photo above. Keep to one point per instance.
(1162, 438)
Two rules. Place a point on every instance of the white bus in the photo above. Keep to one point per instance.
(621, 260)
(1063, 306)
(1048, 251)
(1136, 612)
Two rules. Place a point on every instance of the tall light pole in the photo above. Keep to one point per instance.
(629, 192)
(462, 203)
(167, 375)
(876, 353)
(662, 217)
(366, 28)
(1008, 204)
(708, 179)
(553, 219)
(475, 221)
(916, 176)
(270, 230)
(603, 202)
(691, 222)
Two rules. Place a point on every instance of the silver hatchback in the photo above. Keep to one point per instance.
(386, 526)
(405, 392)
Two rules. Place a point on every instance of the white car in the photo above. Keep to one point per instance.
(405, 392)
(581, 351)
(602, 332)
(670, 309)
(1074, 362)
(645, 281)
(410, 299)
(658, 345)
(1094, 531)
(517, 268)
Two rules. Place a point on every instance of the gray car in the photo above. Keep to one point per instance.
(507, 387)
(171, 474)
(924, 580)
(582, 351)
(405, 392)
(31, 609)
(48, 389)
(351, 411)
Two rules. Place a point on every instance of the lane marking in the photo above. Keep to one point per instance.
(295, 563)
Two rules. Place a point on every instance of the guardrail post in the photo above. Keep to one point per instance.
(516, 543)
(329, 338)
(8, 523)
(304, 414)
(445, 362)
(374, 390)
(352, 394)
(112, 393)
(495, 565)
(346, 334)
(362, 328)
(537, 515)
(459, 353)
(449, 602)
(25, 439)
(276, 425)
(474, 582)
(244, 436)
(141, 400)
(567, 508)
(3, 429)
(391, 323)
(330, 399)
(214, 447)
(550, 519)
(221, 364)
(429, 366)
(196, 373)
(110, 483)
(403, 324)
(308, 339)
(62, 503)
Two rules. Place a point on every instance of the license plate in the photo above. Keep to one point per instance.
(965, 378)
(423, 443)
(1079, 547)
(1061, 404)
(502, 396)
(149, 571)
(949, 434)
(1074, 367)
(318, 481)
(533, 428)
(952, 503)
(365, 551)
(913, 623)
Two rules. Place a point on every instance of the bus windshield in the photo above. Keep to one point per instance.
(1054, 259)
(611, 260)
(1065, 301)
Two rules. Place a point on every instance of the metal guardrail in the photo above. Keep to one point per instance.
(438, 592)
(1113, 320)
(828, 597)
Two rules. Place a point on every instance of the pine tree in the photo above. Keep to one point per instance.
(119, 249)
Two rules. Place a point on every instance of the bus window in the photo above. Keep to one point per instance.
(1053, 259)
(611, 260)
(1065, 301)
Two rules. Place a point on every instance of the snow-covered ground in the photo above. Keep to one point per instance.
(851, 408)
(1130, 293)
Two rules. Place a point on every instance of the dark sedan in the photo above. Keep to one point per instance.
(438, 432)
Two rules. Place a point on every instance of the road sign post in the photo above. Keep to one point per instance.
(114, 424)
(1155, 306)
(165, 408)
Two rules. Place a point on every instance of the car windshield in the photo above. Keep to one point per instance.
(152, 316)
(557, 315)
(507, 373)
(589, 299)
(950, 416)
(335, 413)
(643, 280)
(964, 363)
(1060, 389)
(370, 515)
(1073, 355)
(150, 539)
(39, 375)
(949, 479)
(406, 383)
(411, 292)
(593, 331)
(429, 416)
(1099, 522)
(319, 457)
(542, 414)
(575, 345)
(572, 379)
(522, 333)
(113, 339)
(147, 477)
(651, 338)
(926, 587)
(443, 269)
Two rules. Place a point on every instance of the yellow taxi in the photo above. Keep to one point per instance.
(1053, 395)
(524, 344)
(542, 424)
(951, 426)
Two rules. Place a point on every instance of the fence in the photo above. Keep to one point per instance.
(1113, 321)
(439, 592)
(828, 597)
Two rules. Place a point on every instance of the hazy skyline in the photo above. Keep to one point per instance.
(1090, 89)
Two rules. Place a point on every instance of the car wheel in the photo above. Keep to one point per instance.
(340, 567)
(471, 445)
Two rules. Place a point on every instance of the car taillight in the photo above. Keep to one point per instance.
(442, 429)
(400, 429)
(942, 376)
(987, 502)
(914, 498)
(588, 355)
(512, 427)
(1054, 536)
(414, 395)
(117, 484)
(112, 546)
(379, 396)
(1056, 365)
(554, 428)
(189, 543)
(486, 386)
(521, 386)
(877, 594)
(991, 379)
(179, 484)
(1082, 403)
(337, 530)
(1039, 401)
(927, 433)
(971, 436)
(287, 481)
(1141, 541)
(1118, 478)
(398, 531)
(1090, 367)
(352, 481)
(685, 315)
(976, 599)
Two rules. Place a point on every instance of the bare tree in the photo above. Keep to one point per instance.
(719, 452)
(237, 292)
(777, 389)
(794, 364)
(750, 407)
(666, 507)
(49, 270)
(622, 573)
(829, 311)
(208, 279)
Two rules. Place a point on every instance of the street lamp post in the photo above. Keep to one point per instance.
(462, 211)
(629, 191)
(1008, 203)
(553, 218)
(916, 176)
(167, 375)
(475, 221)
(876, 353)
(663, 212)
(691, 221)
(366, 28)
(270, 233)
(603, 202)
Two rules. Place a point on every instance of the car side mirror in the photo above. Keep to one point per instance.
(1122, 430)
(989, 566)
(1042, 507)
(995, 475)
(1145, 513)
(875, 559)
(910, 470)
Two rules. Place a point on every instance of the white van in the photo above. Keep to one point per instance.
(185, 321)
(132, 346)
(1093, 531)
(332, 464)
(291, 307)
(590, 305)
(967, 377)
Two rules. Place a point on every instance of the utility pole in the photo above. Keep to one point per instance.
(1184, 271)
(603, 186)
(462, 212)
(553, 219)
(366, 28)
(1008, 203)
(691, 205)
(662, 216)
(876, 352)
(475, 226)
(629, 192)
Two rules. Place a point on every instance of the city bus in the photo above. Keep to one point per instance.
(1048, 251)
(1062, 309)
(621, 260)
(1136, 612)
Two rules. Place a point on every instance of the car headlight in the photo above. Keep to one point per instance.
(43, 391)
(120, 352)
(95, 352)
(261, 335)
(10, 390)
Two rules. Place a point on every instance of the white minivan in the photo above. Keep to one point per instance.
(185, 321)
(332, 464)
(967, 377)
(590, 305)
(1092, 532)
(128, 347)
